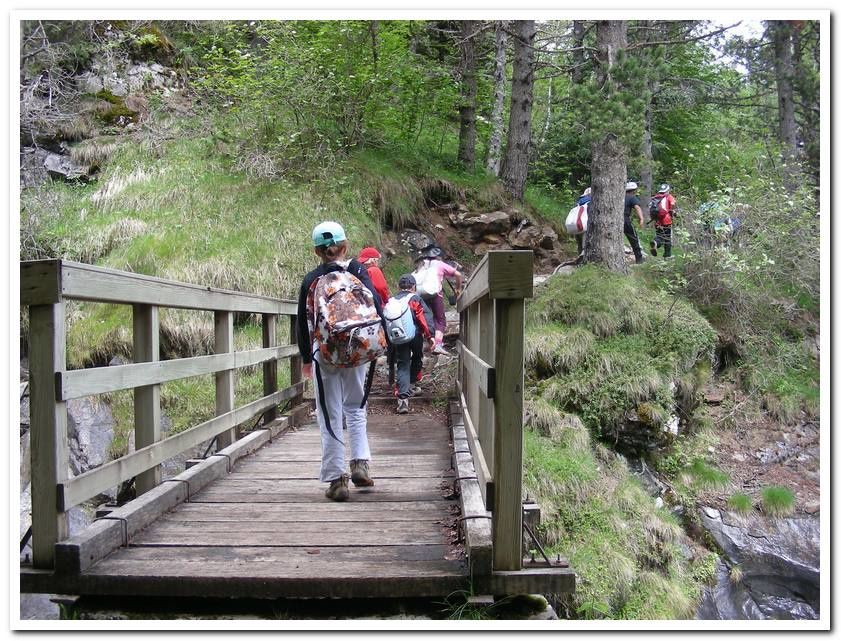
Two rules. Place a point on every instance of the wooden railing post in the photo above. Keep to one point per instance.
(270, 367)
(147, 399)
(485, 351)
(48, 430)
(508, 435)
(473, 393)
(223, 341)
(295, 363)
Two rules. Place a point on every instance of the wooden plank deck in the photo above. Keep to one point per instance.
(267, 530)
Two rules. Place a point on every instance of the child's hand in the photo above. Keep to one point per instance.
(306, 370)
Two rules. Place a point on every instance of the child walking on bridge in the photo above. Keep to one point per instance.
(340, 330)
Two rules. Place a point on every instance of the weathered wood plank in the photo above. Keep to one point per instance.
(476, 519)
(207, 533)
(295, 362)
(269, 336)
(40, 282)
(48, 433)
(355, 512)
(89, 484)
(477, 285)
(530, 581)
(274, 471)
(223, 342)
(508, 436)
(147, 399)
(399, 583)
(483, 471)
(102, 537)
(511, 274)
(290, 555)
(485, 420)
(89, 282)
(100, 380)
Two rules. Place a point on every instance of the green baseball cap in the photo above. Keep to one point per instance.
(327, 233)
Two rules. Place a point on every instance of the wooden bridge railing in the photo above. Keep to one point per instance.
(45, 286)
(490, 385)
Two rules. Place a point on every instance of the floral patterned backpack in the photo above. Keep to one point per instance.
(345, 327)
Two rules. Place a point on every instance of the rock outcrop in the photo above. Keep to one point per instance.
(777, 560)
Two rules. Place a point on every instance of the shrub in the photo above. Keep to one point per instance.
(740, 502)
(777, 500)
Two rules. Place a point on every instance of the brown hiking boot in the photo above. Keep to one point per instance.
(359, 473)
(338, 489)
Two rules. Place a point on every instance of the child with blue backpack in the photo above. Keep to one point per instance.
(407, 326)
(340, 332)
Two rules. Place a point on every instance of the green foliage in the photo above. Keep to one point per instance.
(596, 515)
(740, 502)
(600, 344)
(705, 475)
(777, 500)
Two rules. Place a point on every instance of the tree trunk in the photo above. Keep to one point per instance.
(515, 164)
(467, 109)
(605, 216)
(647, 171)
(578, 175)
(808, 92)
(605, 220)
(497, 122)
(784, 68)
(545, 129)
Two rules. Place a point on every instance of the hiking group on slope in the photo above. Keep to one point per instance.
(347, 319)
(661, 210)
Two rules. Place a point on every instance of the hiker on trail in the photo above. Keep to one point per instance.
(632, 205)
(340, 329)
(370, 257)
(661, 208)
(576, 222)
(429, 275)
(407, 323)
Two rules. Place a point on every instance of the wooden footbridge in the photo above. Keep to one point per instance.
(250, 520)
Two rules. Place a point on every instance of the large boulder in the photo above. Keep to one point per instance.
(33, 171)
(61, 166)
(478, 225)
(779, 559)
(413, 240)
(90, 427)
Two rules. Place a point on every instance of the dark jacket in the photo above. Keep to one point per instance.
(354, 267)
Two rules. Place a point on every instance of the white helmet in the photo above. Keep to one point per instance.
(664, 188)
(630, 186)
(586, 192)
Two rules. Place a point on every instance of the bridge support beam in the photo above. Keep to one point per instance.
(147, 399)
(508, 435)
(48, 431)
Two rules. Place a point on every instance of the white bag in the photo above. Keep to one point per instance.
(576, 222)
(426, 280)
(399, 320)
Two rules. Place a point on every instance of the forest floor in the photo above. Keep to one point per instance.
(757, 452)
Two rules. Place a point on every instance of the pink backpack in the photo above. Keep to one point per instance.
(345, 327)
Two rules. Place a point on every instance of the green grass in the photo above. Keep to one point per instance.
(704, 475)
(740, 502)
(623, 549)
(777, 500)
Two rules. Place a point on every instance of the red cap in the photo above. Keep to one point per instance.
(368, 252)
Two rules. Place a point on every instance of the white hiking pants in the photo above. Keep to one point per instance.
(344, 388)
